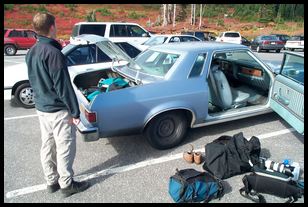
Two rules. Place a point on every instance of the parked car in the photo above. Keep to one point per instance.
(18, 39)
(163, 39)
(295, 42)
(282, 37)
(267, 43)
(81, 55)
(198, 34)
(229, 36)
(245, 42)
(172, 87)
(115, 31)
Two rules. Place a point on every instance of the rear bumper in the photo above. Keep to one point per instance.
(271, 47)
(87, 133)
(294, 46)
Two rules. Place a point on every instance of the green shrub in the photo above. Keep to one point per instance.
(220, 22)
(8, 7)
(42, 8)
(72, 7)
(104, 12)
(134, 15)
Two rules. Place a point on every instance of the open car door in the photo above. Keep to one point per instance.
(287, 97)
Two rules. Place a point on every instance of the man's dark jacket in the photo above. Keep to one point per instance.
(49, 78)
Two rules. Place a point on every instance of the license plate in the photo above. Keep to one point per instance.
(273, 43)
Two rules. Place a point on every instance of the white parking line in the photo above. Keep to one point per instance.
(10, 61)
(19, 117)
(125, 168)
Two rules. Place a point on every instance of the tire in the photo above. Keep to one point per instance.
(291, 49)
(167, 130)
(24, 96)
(278, 51)
(10, 50)
(258, 49)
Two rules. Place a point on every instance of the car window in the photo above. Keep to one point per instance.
(156, 63)
(128, 48)
(269, 38)
(5, 31)
(242, 57)
(30, 34)
(293, 68)
(15, 33)
(135, 31)
(93, 29)
(155, 40)
(232, 34)
(198, 66)
(75, 30)
(188, 39)
(296, 38)
(118, 31)
(200, 35)
(86, 54)
(175, 39)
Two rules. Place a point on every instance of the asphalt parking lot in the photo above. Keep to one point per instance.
(126, 169)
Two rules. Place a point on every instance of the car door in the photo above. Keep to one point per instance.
(287, 97)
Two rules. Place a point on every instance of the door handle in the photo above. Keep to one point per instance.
(281, 99)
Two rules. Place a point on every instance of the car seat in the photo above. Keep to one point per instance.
(221, 94)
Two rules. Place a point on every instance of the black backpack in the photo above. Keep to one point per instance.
(231, 155)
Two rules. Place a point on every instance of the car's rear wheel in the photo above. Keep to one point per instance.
(167, 130)
(10, 50)
(278, 51)
(24, 96)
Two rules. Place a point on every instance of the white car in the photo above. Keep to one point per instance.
(230, 36)
(83, 53)
(163, 39)
(295, 42)
(114, 31)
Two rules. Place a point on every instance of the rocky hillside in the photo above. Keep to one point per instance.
(148, 16)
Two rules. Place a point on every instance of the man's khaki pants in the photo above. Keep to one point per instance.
(58, 147)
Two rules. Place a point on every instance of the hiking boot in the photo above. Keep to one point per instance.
(53, 188)
(197, 158)
(74, 187)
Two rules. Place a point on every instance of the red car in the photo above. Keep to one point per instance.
(22, 39)
(18, 39)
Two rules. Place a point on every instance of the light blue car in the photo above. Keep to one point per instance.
(169, 88)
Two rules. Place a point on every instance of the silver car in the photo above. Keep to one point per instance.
(169, 88)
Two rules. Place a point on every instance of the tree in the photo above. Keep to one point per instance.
(200, 22)
(174, 10)
(164, 15)
(193, 14)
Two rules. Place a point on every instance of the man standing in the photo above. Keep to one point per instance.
(57, 107)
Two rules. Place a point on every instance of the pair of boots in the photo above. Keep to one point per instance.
(192, 157)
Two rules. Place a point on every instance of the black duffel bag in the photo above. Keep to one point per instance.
(231, 155)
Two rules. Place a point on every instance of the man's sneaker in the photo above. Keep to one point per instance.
(53, 188)
(74, 187)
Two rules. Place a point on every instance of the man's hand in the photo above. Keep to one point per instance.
(75, 121)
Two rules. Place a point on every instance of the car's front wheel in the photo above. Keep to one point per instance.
(278, 51)
(10, 50)
(24, 96)
(167, 130)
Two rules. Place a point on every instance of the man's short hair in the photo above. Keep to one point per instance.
(42, 23)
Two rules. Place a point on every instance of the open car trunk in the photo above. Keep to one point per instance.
(100, 81)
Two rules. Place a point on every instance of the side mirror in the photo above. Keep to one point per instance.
(147, 34)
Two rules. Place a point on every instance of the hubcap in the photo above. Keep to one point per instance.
(10, 50)
(26, 96)
(166, 128)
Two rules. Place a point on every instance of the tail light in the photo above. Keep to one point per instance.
(90, 116)
(266, 42)
(280, 42)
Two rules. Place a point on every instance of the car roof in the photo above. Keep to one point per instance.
(87, 38)
(184, 47)
(171, 35)
(131, 23)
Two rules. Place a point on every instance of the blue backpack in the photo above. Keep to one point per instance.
(190, 185)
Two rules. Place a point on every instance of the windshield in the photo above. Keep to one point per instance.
(155, 40)
(269, 38)
(154, 63)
